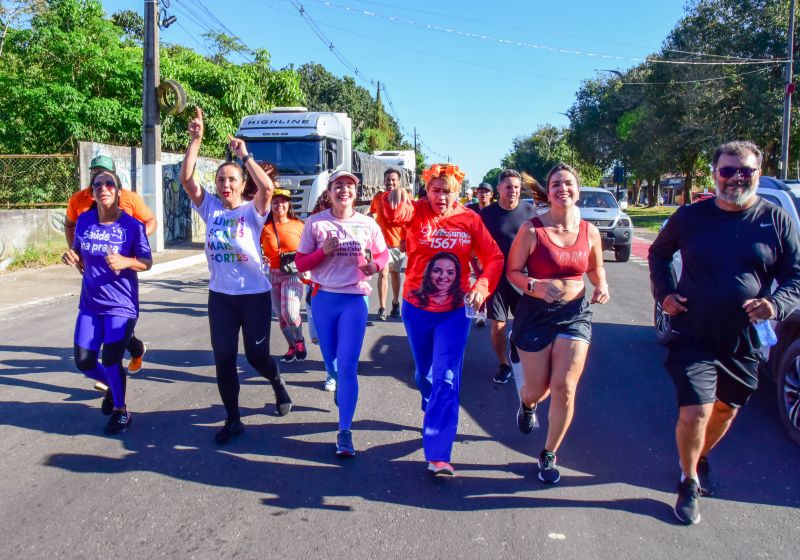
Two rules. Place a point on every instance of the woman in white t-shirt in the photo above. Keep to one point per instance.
(239, 292)
(335, 246)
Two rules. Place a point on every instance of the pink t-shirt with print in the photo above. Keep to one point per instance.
(339, 272)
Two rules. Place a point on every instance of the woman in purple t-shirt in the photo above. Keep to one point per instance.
(110, 248)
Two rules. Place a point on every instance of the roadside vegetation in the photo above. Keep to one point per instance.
(649, 217)
(35, 257)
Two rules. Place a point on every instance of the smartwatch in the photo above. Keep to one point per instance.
(531, 282)
(246, 158)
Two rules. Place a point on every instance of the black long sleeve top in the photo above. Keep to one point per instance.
(727, 258)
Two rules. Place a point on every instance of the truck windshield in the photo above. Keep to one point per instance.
(292, 157)
(597, 200)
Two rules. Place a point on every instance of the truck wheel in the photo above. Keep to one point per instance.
(788, 384)
(622, 253)
(661, 321)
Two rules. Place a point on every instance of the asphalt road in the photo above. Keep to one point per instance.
(164, 488)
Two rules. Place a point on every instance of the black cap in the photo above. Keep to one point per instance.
(485, 187)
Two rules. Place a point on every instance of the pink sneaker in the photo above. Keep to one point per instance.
(290, 355)
(441, 468)
(300, 351)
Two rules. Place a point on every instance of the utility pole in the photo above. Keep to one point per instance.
(787, 98)
(151, 123)
(415, 186)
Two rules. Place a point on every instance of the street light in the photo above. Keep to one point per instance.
(617, 72)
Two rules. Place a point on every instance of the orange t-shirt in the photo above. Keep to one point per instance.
(289, 234)
(130, 203)
(439, 241)
(392, 234)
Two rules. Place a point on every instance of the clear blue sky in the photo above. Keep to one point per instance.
(468, 75)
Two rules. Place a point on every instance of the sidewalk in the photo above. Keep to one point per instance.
(21, 288)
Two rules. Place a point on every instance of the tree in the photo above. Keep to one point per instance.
(492, 176)
(72, 76)
(14, 12)
(131, 23)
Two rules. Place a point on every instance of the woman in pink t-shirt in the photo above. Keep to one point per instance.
(342, 249)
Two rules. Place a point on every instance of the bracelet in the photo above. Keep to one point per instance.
(246, 158)
(531, 282)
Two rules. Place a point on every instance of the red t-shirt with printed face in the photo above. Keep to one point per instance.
(439, 250)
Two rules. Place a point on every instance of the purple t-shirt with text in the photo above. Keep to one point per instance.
(105, 292)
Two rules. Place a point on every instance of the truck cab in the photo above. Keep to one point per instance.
(306, 147)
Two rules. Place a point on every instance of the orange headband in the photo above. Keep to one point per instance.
(437, 170)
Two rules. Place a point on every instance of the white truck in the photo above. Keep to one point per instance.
(307, 147)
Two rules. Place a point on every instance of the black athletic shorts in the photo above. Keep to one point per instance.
(703, 374)
(504, 299)
(537, 323)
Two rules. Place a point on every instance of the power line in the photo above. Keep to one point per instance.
(523, 44)
(212, 23)
(698, 81)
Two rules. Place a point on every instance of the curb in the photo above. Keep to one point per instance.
(177, 264)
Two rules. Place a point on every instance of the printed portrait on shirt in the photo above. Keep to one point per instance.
(441, 282)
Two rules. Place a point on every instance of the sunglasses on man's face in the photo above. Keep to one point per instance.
(100, 184)
(728, 172)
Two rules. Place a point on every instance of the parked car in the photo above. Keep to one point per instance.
(599, 207)
(782, 362)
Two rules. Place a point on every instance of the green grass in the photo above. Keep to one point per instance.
(650, 218)
(36, 257)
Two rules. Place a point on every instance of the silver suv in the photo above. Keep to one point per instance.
(599, 207)
(782, 361)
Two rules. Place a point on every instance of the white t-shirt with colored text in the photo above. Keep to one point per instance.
(233, 247)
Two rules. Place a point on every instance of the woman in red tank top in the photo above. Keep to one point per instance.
(552, 324)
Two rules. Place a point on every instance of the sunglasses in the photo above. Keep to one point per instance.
(100, 184)
(728, 172)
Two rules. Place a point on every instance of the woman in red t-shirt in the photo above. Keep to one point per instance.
(552, 322)
(440, 238)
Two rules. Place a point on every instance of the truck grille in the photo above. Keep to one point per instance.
(601, 223)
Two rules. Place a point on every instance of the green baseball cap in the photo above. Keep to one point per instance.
(103, 162)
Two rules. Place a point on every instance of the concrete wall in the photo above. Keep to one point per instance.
(180, 223)
(21, 229)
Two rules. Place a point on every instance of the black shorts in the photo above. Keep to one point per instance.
(537, 323)
(504, 299)
(703, 375)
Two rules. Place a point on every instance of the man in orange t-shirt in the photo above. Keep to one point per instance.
(131, 203)
(394, 236)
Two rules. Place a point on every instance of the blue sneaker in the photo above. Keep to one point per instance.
(344, 444)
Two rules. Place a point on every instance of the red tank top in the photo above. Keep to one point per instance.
(550, 261)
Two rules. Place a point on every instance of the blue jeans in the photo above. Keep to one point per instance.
(341, 321)
(437, 343)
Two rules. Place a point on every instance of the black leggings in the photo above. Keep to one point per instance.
(252, 313)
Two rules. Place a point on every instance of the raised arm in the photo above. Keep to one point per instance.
(264, 185)
(195, 192)
(398, 207)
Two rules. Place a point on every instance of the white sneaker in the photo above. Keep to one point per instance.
(330, 384)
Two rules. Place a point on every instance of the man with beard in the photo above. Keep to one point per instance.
(733, 247)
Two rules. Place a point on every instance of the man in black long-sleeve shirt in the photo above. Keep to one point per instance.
(733, 247)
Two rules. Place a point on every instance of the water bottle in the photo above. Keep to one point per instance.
(766, 334)
(472, 313)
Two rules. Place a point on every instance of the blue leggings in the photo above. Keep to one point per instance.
(437, 343)
(112, 333)
(341, 320)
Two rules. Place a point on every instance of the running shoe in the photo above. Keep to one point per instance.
(230, 429)
(300, 351)
(548, 473)
(395, 313)
(504, 375)
(282, 400)
(480, 323)
(118, 422)
(344, 444)
(330, 384)
(290, 355)
(441, 468)
(704, 474)
(687, 507)
(382, 314)
(135, 365)
(107, 406)
(526, 418)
